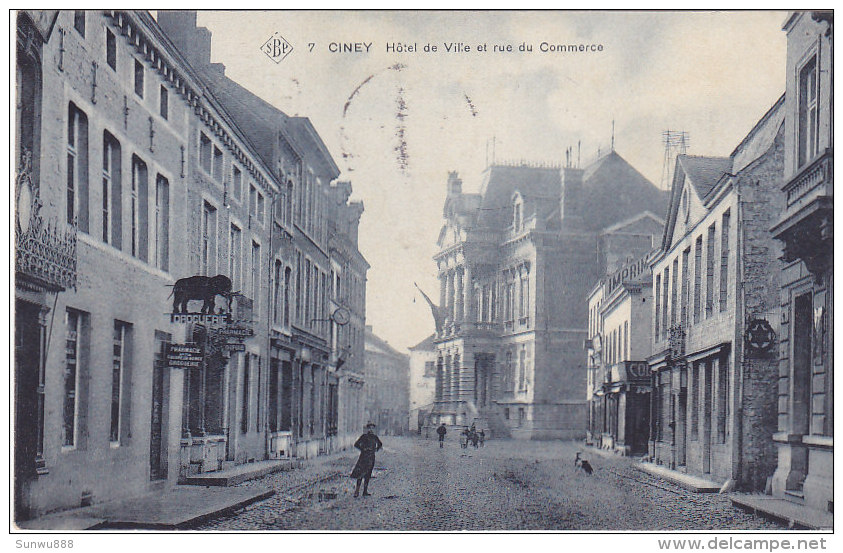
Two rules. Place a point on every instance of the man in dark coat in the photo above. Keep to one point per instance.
(442, 431)
(368, 444)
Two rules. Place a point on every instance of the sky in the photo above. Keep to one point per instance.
(397, 122)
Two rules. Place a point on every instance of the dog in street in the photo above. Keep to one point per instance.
(583, 464)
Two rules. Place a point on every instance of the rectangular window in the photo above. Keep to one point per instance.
(522, 368)
(164, 102)
(161, 243)
(697, 278)
(246, 394)
(521, 416)
(260, 207)
(665, 307)
(236, 182)
(217, 164)
(722, 397)
(79, 21)
(287, 284)
(110, 49)
(111, 190)
(674, 291)
(139, 78)
(205, 152)
(252, 200)
(709, 272)
(209, 235)
(256, 267)
(299, 288)
(119, 367)
(808, 112)
(724, 260)
(235, 255)
(73, 333)
(139, 210)
(626, 353)
(656, 333)
(276, 293)
(77, 168)
(695, 401)
(686, 286)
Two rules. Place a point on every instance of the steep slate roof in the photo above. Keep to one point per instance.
(427, 344)
(539, 186)
(704, 171)
(376, 344)
(613, 190)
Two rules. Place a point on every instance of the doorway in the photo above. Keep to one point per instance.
(29, 403)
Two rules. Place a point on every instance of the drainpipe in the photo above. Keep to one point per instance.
(270, 267)
(738, 348)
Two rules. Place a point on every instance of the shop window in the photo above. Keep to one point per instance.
(119, 379)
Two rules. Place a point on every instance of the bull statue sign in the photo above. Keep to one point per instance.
(204, 289)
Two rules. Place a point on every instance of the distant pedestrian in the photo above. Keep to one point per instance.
(442, 431)
(464, 436)
(368, 444)
(482, 436)
(472, 435)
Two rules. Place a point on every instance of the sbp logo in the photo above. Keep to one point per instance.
(277, 48)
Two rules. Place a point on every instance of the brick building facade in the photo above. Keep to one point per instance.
(515, 262)
(715, 311)
(133, 174)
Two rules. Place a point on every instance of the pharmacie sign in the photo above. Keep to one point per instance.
(184, 356)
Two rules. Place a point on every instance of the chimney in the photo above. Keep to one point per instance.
(454, 184)
(193, 42)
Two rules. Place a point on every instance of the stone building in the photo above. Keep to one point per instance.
(715, 312)
(387, 375)
(619, 342)
(316, 351)
(516, 261)
(154, 180)
(805, 433)
(422, 381)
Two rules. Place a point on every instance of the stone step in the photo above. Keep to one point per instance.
(781, 510)
(240, 473)
(689, 482)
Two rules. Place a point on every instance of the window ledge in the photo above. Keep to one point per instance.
(824, 442)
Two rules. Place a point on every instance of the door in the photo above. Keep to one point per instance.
(706, 422)
(157, 447)
(27, 402)
(681, 437)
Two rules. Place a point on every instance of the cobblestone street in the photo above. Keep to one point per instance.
(508, 485)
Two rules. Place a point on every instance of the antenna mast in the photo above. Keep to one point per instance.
(675, 143)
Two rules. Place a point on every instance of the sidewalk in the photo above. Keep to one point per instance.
(792, 514)
(172, 509)
(687, 481)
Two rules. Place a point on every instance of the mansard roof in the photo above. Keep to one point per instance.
(613, 190)
(539, 187)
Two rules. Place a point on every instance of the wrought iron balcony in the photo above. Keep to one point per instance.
(676, 341)
(45, 251)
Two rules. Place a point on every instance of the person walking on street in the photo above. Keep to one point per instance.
(442, 431)
(368, 444)
(464, 438)
(482, 436)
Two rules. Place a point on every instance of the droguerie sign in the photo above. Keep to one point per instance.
(184, 356)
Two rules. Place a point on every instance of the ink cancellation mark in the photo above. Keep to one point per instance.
(277, 48)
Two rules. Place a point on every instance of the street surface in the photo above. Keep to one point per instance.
(508, 485)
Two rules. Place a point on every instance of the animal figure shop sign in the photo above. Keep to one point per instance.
(184, 356)
(221, 319)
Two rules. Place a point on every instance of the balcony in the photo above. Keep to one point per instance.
(806, 227)
(676, 342)
(45, 251)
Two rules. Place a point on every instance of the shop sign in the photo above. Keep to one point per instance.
(203, 318)
(237, 332)
(234, 347)
(184, 356)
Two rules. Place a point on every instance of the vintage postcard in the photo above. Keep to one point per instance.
(423, 271)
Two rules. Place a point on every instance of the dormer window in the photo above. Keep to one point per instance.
(517, 213)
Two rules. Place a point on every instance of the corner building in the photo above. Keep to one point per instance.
(515, 262)
(804, 439)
